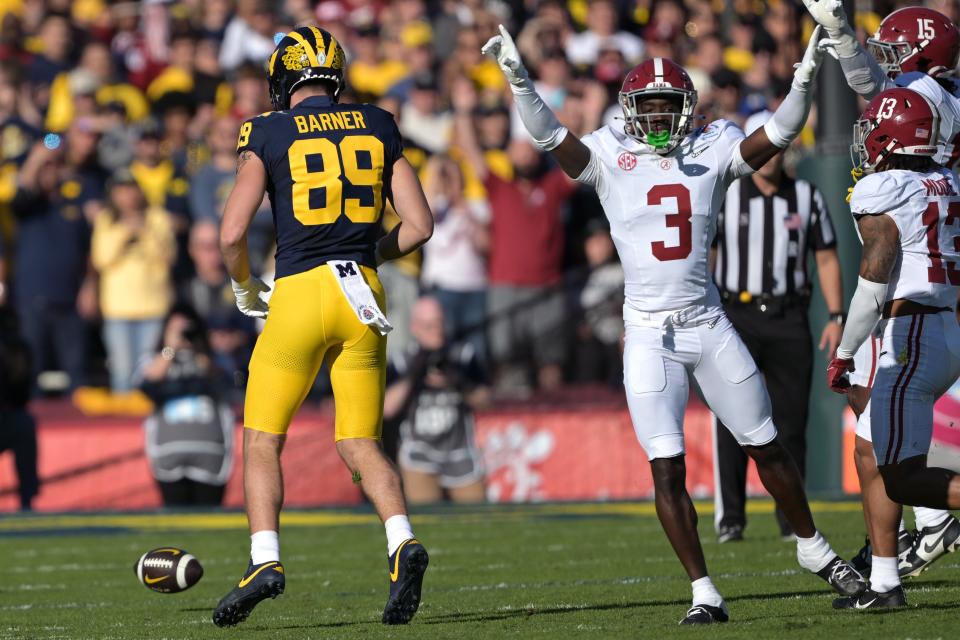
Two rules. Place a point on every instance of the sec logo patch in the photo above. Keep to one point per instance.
(627, 161)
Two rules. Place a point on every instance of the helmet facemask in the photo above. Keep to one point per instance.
(890, 55)
(858, 149)
(643, 127)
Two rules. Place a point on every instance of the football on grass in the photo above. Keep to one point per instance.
(168, 570)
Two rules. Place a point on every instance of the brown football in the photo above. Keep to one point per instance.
(168, 570)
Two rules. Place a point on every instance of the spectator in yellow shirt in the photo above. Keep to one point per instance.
(132, 250)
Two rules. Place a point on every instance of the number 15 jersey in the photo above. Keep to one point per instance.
(663, 210)
(329, 168)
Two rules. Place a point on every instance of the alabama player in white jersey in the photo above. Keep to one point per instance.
(914, 47)
(662, 182)
(907, 210)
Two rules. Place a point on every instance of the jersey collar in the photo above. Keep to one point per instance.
(316, 101)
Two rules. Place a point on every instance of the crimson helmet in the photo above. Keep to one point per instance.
(916, 39)
(663, 78)
(897, 121)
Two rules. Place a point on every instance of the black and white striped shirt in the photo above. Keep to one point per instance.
(762, 242)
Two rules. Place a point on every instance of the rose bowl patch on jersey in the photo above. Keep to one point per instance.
(168, 570)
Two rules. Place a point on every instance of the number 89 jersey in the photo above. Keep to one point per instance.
(329, 168)
(663, 210)
(926, 210)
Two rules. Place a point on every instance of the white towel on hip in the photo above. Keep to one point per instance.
(358, 294)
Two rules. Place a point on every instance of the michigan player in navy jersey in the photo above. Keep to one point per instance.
(328, 169)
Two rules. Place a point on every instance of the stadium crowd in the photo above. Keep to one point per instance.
(118, 123)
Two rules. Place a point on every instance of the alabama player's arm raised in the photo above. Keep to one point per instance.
(416, 220)
(242, 204)
(788, 120)
(572, 155)
(862, 72)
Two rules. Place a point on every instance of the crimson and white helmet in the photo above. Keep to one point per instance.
(897, 121)
(916, 39)
(662, 78)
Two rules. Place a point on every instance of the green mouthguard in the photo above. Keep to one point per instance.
(658, 140)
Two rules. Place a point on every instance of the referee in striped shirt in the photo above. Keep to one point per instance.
(765, 232)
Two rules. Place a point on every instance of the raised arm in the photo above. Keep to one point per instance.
(464, 99)
(862, 72)
(242, 204)
(788, 120)
(542, 124)
(416, 220)
(881, 244)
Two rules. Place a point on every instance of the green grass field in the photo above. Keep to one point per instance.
(598, 571)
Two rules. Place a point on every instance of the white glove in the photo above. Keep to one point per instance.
(806, 70)
(830, 15)
(505, 51)
(248, 297)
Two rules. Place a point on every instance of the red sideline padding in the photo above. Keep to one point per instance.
(531, 454)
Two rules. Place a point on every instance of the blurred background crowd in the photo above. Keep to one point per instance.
(118, 123)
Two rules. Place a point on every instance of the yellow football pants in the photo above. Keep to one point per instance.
(311, 322)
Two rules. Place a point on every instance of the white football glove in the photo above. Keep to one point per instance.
(505, 51)
(805, 71)
(829, 14)
(248, 297)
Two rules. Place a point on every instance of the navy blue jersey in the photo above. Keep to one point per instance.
(329, 168)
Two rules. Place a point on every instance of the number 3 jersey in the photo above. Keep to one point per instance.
(329, 168)
(663, 210)
(926, 210)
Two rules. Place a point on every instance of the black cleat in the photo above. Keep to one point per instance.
(870, 599)
(730, 533)
(844, 579)
(705, 614)
(862, 562)
(905, 541)
(261, 581)
(407, 566)
(928, 545)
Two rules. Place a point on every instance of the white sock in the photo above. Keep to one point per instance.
(929, 517)
(398, 529)
(265, 547)
(884, 574)
(814, 553)
(705, 593)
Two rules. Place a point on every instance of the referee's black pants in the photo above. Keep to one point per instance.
(783, 349)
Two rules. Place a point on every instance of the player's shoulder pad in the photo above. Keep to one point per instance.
(716, 130)
(376, 117)
(609, 142)
(253, 131)
(719, 134)
(925, 85)
(884, 191)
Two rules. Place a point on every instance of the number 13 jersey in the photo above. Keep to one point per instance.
(663, 210)
(329, 168)
(926, 210)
